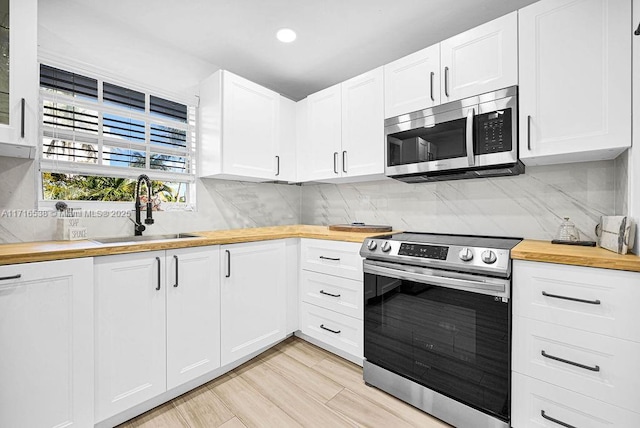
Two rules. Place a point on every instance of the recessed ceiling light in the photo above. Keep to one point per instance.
(286, 35)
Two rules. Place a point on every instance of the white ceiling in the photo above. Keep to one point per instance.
(337, 39)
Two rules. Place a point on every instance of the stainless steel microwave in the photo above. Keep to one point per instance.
(469, 138)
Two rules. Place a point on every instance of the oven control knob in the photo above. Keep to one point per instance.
(372, 245)
(386, 247)
(489, 257)
(465, 254)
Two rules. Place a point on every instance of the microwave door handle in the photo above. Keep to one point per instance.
(470, 154)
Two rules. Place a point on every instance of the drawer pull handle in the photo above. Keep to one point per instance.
(559, 422)
(11, 277)
(177, 273)
(159, 273)
(335, 259)
(328, 329)
(562, 360)
(329, 294)
(573, 299)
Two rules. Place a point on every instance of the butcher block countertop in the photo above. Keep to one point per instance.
(545, 251)
(26, 252)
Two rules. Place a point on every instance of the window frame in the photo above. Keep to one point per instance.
(149, 119)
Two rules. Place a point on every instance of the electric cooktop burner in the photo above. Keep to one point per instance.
(466, 253)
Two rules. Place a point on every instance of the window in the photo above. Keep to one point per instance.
(98, 137)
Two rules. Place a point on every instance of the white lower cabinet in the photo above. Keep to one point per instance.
(253, 297)
(575, 346)
(46, 362)
(331, 295)
(152, 335)
(541, 404)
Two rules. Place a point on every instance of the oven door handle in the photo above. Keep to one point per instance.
(490, 286)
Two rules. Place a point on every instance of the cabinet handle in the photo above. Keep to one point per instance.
(344, 161)
(330, 258)
(158, 260)
(573, 299)
(228, 275)
(328, 329)
(559, 422)
(529, 133)
(573, 363)
(432, 75)
(335, 162)
(277, 166)
(176, 259)
(329, 294)
(446, 81)
(470, 154)
(22, 112)
(4, 278)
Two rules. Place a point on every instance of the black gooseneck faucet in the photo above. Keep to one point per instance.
(139, 227)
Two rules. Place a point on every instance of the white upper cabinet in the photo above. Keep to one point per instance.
(363, 125)
(19, 79)
(285, 157)
(240, 129)
(413, 82)
(575, 80)
(344, 136)
(321, 149)
(480, 60)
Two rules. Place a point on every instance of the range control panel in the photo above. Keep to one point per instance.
(423, 251)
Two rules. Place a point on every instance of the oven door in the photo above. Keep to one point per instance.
(435, 328)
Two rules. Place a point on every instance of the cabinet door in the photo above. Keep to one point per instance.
(480, 60)
(250, 115)
(321, 149)
(285, 156)
(363, 125)
(575, 85)
(253, 297)
(19, 80)
(193, 313)
(46, 331)
(412, 82)
(130, 331)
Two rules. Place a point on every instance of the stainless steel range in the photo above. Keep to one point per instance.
(437, 328)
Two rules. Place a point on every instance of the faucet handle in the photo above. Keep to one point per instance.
(148, 221)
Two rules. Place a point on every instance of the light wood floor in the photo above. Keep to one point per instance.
(291, 385)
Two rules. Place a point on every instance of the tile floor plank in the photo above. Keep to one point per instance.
(313, 382)
(233, 423)
(291, 398)
(201, 408)
(364, 412)
(251, 407)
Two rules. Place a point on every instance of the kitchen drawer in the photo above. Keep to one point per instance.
(332, 257)
(531, 397)
(331, 292)
(616, 381)
(614, 297)
(347, 333)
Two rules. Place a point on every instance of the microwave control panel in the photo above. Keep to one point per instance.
(494, 132)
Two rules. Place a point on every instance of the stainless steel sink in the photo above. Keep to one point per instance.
(144, 238)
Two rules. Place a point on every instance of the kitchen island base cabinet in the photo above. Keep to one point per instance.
(152, 335)
(253, 297)
(46, 363)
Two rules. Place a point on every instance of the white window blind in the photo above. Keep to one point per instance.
(93, 127)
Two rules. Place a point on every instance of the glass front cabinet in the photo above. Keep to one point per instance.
(18, 77)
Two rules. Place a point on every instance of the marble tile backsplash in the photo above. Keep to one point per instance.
(531, 205)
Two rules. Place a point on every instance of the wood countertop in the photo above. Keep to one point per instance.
(26, 252)
(545, 251)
